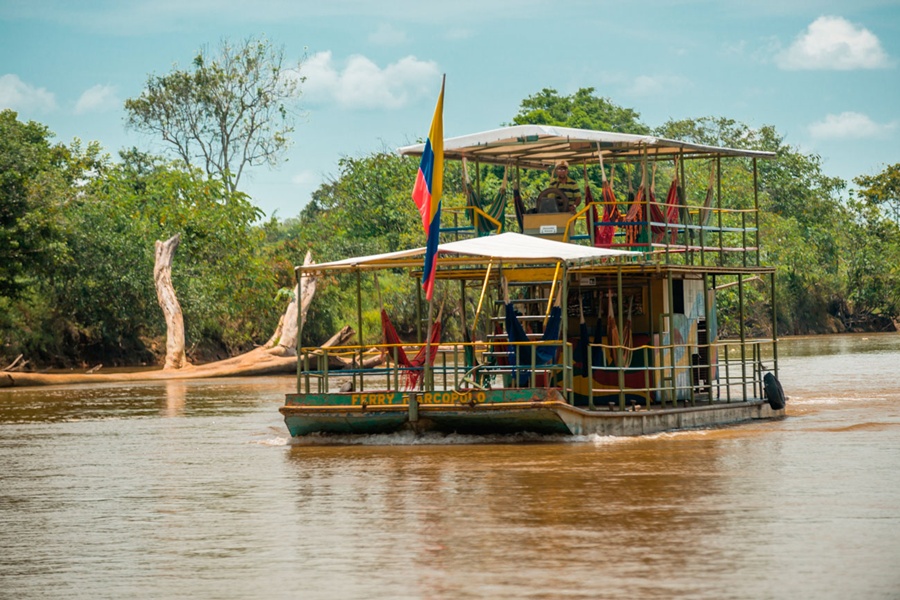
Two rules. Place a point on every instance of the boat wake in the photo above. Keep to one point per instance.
(408, 438)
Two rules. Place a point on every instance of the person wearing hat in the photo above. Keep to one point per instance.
(566, 184)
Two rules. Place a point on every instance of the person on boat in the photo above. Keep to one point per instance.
(567, 185)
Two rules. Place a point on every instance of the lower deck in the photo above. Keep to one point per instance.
(536, 410)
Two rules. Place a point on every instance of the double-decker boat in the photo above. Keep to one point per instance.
(593, 319)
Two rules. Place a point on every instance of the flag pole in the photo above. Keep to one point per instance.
(426, 376)
(427, 196)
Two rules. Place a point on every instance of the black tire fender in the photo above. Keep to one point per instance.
(774, 392)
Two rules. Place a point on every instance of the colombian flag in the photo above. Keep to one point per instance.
(427, 192)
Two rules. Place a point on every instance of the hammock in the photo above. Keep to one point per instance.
(519, 205)
(414, 365)
(544, 354)
(603, 234)
(635, 234)
(612, 332)
(580, 352)
(626, 339)
(670, 217)
(496, 208)
(706, 210)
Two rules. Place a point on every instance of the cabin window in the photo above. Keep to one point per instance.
(678, 296)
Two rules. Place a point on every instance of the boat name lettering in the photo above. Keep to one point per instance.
(451, 398)
(356, 399)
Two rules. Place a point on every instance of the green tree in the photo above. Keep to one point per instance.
(225, 288)
(582, 110)
(874, 262)
(232, 110)
(33, 171)
(882, 190)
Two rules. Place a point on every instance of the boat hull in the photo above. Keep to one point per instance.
(541, 410)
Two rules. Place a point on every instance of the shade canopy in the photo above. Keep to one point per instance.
(539, 146)
(510, 247)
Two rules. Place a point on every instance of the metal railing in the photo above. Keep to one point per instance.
(733, 373)
(667, 381)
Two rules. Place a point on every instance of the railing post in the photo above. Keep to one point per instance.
(590, 375)
(727, 375)
(647, 376)
(744, 237)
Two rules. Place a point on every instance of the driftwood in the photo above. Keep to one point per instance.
(277, 356)
(168, 302)
(14, 365)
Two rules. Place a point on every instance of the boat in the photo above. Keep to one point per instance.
(599, 319)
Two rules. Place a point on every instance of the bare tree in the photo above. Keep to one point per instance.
(232, 110)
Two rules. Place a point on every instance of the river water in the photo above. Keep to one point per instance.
(194, 489)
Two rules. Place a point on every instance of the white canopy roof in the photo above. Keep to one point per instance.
(542, 145)
(513, 247)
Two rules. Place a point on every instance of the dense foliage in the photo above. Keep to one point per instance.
(82, 290)
(77, 234)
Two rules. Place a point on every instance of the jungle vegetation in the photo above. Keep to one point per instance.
(77, 233)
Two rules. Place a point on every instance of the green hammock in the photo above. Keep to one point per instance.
(478, 206)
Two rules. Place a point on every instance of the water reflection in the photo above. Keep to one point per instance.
(176, 395)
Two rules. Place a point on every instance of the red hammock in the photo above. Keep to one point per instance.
(414, 365)
(671, 216)
(635, 213)
(605, 234)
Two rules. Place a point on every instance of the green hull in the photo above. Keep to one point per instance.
(482, 412)
(541, 411)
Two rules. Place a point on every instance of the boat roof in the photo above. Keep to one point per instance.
(509, 246)
(539, 146)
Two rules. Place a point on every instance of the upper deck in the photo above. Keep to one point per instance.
(677, 202)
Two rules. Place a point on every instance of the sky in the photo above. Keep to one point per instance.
(824, 73)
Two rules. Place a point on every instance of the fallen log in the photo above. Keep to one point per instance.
(277, 356)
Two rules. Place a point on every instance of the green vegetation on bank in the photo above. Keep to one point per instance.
(78, 228)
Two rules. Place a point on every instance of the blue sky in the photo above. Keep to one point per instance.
(825, 73)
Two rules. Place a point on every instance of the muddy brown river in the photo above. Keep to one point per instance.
(193, 489)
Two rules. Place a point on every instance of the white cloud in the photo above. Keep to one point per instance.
(646, 85)
(18, 95)
(848, 125)
(364, 85)
(100, 98)
(834, 43)
(388, 35)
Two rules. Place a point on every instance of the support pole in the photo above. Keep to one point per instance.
(359, 327)
(425, 381)
(621, 323)
(743, 337)
(671, 344)
(774, 328)
(721, 258)
(564, 334)
(756, 207)
(299, 277)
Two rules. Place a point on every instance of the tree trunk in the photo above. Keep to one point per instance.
(168, 302)
(284, 341)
